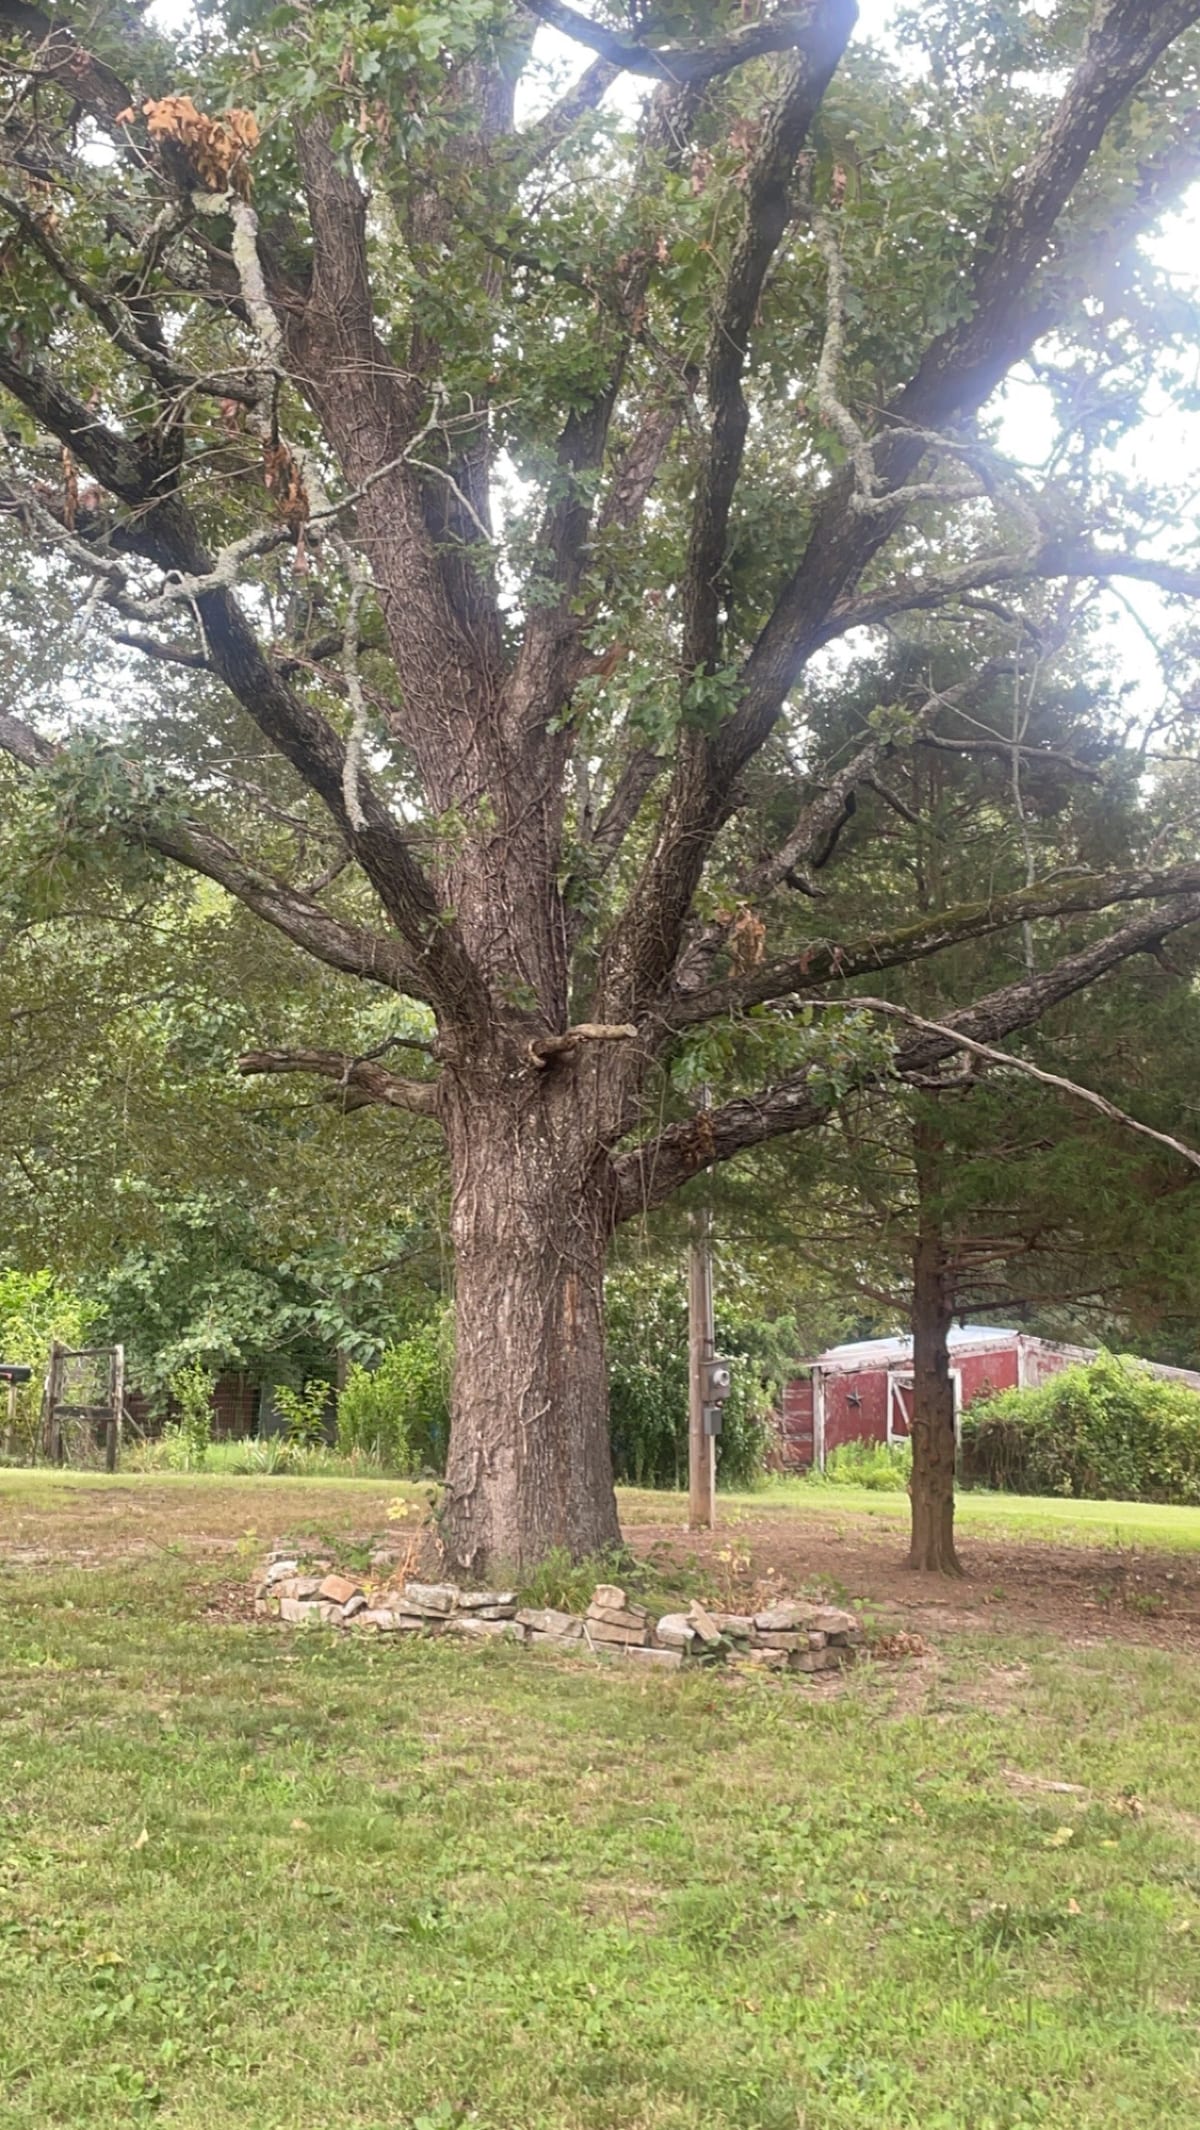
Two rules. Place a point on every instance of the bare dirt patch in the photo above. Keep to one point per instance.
(85, 1523)
(1026, 1585)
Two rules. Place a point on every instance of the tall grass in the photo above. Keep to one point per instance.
(272, 1456)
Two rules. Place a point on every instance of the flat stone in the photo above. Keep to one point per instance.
(603, 1631)
(353, 1606)
(430, 1597)
(541, 1634)
(618, 1615)
(762, 1659)
(675, 1631)
(783, 1619)
(339, 1589)
(488, 1602)
(703, 1622)
(669, 1657)
(545, 1621)
(831, 1620)
(846, 1638)
(780, 1641)
(813, 1660)
(609, 1597)
(266, 1608)
(476, 1629)
(496, 1612)
(279, 1571)
(736, 1624)
(298, 1586)
(816, 1640)
(384, 1621)
(305, 1613)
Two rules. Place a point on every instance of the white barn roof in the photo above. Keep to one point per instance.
(886, 1353)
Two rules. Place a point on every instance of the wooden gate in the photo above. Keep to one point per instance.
(84, 1405)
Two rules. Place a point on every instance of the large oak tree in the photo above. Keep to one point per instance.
(510, 473)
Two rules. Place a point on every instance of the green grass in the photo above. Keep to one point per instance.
(265, 1880)
(1116, 1523)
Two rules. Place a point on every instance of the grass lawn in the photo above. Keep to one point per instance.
(293, 1882)
(1093, 1523)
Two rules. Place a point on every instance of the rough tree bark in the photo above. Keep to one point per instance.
(934, 1445)
(530, 1465)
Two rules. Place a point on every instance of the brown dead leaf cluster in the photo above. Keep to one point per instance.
(216, 151)
(889, 1648)
(283, 479)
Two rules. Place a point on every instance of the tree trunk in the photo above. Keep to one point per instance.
(530, 1465)
(934, 1444)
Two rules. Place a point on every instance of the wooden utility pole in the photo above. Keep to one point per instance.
(702, 1447)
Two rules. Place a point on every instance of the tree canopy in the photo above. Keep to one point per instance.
(465, 506)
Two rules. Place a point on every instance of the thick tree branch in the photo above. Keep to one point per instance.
(363, 1078)
(826, 961)
(58, 56)
(679, 64)
(1055, 558)
(768, 211)
(547, 664)
(163, 532)
(637, 778)
(539, 141)
(649, 1174)
(964, 364)
(288, 910)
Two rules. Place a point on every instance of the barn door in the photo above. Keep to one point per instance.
(900, 1403)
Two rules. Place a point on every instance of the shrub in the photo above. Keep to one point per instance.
(885, 1468)
(1105, 1431)
(189, 1438)
(304, 1410)
(398, 1414)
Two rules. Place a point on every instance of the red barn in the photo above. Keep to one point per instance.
(863, 1392)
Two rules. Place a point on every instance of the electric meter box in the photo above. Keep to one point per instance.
(717, 1379)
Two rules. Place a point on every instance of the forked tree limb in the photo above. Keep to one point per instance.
(163, 531)
(953, 380)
